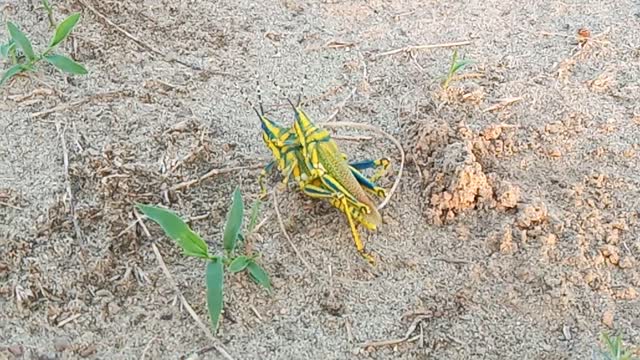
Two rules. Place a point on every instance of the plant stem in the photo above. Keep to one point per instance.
(49, 9)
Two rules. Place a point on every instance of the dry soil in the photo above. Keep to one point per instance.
(513, 233)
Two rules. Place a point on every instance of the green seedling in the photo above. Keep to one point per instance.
(22, 56)
(456, 65)
(614, 349)
(193, 245)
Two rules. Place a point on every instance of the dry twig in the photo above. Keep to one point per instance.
(422, 47)
(183, 300)
(407, 337)
(503, 103)
(286, 235)
(351, 138)
(146, 348)
(67, 178)
(73, 104)
(214, 172)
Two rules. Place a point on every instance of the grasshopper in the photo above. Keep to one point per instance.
(288, 153)
(325, 162)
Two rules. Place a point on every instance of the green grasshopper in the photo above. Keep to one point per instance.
(287, 151)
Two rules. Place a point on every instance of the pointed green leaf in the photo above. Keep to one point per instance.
(177, 229)
(460, 64)
(259, 275)
(64, 29)
(234, 222)
(21, 39)
(11, 72)
(215, 284)
(238, 264)
(66, 64)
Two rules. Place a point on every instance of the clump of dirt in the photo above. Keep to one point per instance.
(453, 165)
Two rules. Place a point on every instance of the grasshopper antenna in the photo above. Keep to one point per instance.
(259, 92)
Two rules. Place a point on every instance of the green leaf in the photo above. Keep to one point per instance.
(238, 264)
(234, 222)
(253, 218)
(11, 72)
(64, 29)
(176, 229)
(66, 64)
(5, 49)
(258, 274)
(21, 39)
(215, 284)
(460, 64)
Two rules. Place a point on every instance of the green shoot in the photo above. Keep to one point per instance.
(23, 57)
(193, 245)
(456, 65)
(49, 10)
(614, 349)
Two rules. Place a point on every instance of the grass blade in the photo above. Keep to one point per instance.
(21, 39)
(234, 222)
(64, 29)
(66, 64)
(238, 264)
(11, 72)
(177, 229)
(259, 275)
(215, 284)
(460, 64)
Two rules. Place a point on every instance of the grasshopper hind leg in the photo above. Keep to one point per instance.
(340, 201)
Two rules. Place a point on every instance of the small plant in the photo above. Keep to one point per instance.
(193, 245)
(19, 51)
(456, 65)
(614, 349)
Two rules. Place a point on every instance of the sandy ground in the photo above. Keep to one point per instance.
(513, 233)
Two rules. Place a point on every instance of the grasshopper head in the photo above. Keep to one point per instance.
(271, 130)
(302, 124)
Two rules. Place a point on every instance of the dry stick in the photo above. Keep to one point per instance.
(67, 178)
(2, 203)
(353, 92)
(68, 320)
(351, 138)
(146, 348)
(383, 133)
(407, 336)
(132, 37)
(214, 172)
(503, 103)
(60, 107)
(286, 235)
(422, 47)
(173, 283)
(75, 103)
(342, 104)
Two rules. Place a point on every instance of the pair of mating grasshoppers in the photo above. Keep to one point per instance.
(307, 153)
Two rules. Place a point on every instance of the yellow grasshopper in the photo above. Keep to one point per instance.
(325, 162)
(288, 157)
